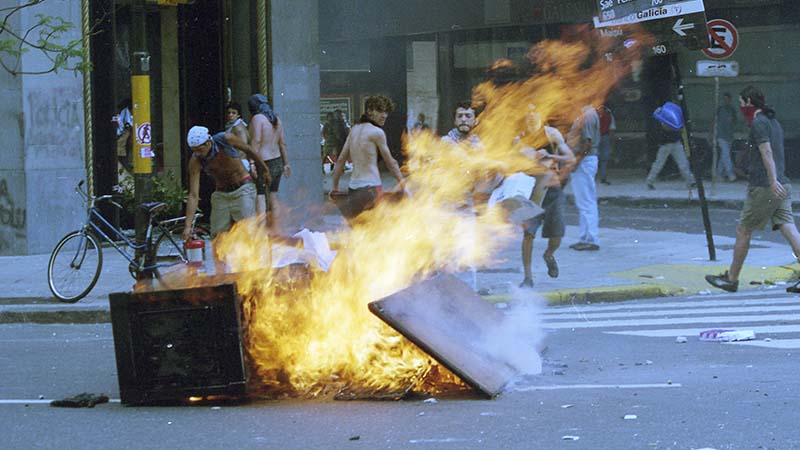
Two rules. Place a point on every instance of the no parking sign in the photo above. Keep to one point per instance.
(724, 39)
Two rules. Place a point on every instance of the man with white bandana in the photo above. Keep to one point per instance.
(234, 197)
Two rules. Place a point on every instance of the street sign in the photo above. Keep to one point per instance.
(663, 11)
(615, 9)
(670, 23)
(706, 68)
(724, 39)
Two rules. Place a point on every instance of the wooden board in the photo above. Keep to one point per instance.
(447, 320)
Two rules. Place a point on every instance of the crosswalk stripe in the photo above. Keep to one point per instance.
(674, 332)
(676, 312)
(783, 344)
(671, 321)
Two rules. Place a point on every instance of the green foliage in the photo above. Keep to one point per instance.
(166, 188)
(46, 35)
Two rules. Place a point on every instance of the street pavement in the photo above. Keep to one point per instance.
(630, 263)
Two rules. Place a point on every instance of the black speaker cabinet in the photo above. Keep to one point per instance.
(176, 346)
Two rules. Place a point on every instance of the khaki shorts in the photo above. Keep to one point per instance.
(761, 206)
(230, 207)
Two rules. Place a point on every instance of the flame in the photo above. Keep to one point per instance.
(312, 334)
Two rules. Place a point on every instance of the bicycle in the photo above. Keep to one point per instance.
(77, 259)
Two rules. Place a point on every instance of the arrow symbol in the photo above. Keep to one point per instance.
(679, 27)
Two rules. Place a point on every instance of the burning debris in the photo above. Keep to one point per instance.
(308, 328)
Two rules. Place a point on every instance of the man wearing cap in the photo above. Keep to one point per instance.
(234, 196)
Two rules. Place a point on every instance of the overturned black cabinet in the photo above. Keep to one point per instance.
(175, 345)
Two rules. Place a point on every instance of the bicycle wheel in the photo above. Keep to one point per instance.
(74, 266)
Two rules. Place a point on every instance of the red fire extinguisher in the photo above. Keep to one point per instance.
(194, 251)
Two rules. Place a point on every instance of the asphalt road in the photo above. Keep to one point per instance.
(603, 363)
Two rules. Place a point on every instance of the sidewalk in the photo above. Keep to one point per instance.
(630, 263)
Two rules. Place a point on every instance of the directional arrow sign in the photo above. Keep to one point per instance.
(653, 13)
(669, 34)
(679, 27)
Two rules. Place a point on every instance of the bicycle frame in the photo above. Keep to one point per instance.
(93, 216)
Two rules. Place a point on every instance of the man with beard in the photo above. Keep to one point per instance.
(464, 121)
(365, 141)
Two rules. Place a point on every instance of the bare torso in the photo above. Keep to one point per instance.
(364, 140)
(268, 146)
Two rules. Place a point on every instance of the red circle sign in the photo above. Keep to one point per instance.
(724, 39)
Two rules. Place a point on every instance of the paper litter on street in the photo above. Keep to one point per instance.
(719, 335)
(315, 251)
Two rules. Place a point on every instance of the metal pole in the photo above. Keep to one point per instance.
(142, 131)
(715, 151)
(687, 142)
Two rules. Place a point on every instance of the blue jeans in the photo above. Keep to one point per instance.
(725, 164)
(585, 192)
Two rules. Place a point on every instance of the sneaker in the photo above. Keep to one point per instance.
(526, 283)
(582, 246)
(722, 282)
(794, 289)
(552, 266)
(650, 186)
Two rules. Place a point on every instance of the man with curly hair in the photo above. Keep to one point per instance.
(365, 141)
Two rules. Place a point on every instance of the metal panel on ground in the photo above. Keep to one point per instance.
(446, 319)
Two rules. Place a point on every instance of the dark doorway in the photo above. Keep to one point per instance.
(201, 74)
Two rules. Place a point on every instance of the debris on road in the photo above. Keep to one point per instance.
(681, 340)
(630, 417)
(430, 400)
(84, 400)
(570, 438)
(719, 335)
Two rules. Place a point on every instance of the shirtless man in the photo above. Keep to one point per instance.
(545, 144)
(365, 141)
(234, 196)
(267, 141)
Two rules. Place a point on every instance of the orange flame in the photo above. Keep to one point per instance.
(308, 337)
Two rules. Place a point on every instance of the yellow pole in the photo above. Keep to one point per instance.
(142, 131)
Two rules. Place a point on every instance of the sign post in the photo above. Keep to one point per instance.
(669, 22)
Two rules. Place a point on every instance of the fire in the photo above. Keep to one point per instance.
(316, 335)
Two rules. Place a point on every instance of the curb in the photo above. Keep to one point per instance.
(51, 317)
(599, 294)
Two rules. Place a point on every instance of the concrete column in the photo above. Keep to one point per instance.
(170, 89)
(295, 80)
(41, 124)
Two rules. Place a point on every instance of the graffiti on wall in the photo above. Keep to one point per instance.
(54, 123)
(12, 218)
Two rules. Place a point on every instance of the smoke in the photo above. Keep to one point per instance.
(520, 336)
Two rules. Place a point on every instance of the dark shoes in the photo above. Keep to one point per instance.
(526, 283)
(722, 282)
(604, 181)
(584, 246)
(794, 289)
(552, 266)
